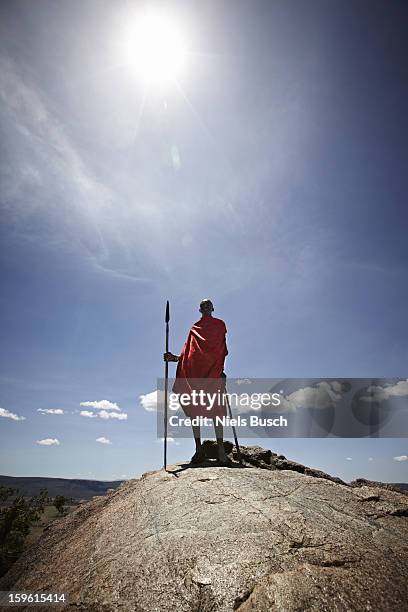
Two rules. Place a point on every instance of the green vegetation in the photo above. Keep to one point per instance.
(17, 515)
(22, 521)
(17, 518)
(59, 503)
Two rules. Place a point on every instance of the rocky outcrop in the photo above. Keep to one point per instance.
(264, 536)
(362, 482)
(266, 459)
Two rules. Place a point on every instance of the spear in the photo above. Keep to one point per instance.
(230, 415)
(166, 379)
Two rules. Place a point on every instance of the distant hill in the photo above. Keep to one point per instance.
(401, 485)
(75, 488)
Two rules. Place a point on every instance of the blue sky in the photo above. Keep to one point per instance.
(271, 179)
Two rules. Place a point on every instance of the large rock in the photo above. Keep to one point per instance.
(222, 539)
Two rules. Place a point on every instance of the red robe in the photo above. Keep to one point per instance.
(203, 357)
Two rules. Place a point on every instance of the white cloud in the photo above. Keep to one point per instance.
(105, 410)
(50, 410)
(401, 458)
(101, 405)
(377, 393)
(103, 440)
(121, 416)
(49, 442)
(10, 415)
(324, 395)
(87, 413)
(371, 458)
(149, 401)
(349, 458)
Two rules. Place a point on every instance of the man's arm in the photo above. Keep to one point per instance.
(170, 357)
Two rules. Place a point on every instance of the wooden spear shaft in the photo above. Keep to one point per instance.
(166, 382)
(233, 427)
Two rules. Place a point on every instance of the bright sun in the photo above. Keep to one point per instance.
(155, 48)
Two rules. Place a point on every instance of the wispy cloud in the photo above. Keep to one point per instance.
(49, 442)
(44, 154)
(97, 218)
(10, 415)
(50, 410)
(103, 440)
(47, 172)
(27, 106)
(349, 458)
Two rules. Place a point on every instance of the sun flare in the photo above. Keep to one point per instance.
(155, 49)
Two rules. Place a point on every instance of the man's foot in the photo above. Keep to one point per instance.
(224, 460)
(198, 457)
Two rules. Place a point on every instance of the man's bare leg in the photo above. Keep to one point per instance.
(199, 455)
(197, 437)
(219, 434)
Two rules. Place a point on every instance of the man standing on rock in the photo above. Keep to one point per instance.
(203, 357)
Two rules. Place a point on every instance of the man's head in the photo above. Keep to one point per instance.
(206, 307)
